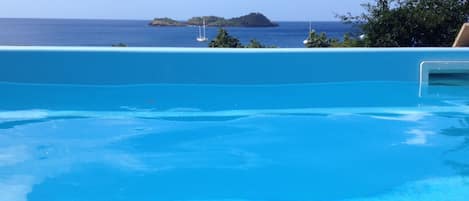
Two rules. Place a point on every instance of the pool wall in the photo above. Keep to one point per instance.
(115, 66)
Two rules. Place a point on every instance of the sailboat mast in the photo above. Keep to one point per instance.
(204, 27)
(200, 31)
(202, 37)
(306, 41)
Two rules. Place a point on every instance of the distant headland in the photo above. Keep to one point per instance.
(249, 20)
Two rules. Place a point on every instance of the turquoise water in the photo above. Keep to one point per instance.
(350, 141)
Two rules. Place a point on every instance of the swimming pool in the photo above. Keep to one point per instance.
(101, 124)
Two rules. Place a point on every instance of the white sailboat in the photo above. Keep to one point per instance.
(202, 37)
(310, 30)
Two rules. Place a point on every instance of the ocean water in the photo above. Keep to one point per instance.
(357, 141)
(57, 32)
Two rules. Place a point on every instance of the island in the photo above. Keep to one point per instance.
(249, 20)
(166, 22)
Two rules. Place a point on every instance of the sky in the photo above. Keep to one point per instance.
(277, 10)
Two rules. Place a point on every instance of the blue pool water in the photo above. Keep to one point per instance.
(339, 141)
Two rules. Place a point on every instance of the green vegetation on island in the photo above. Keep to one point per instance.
(250, 20)
(209, 21)
(166, 22)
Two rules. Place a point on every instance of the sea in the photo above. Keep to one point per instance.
(137, 33)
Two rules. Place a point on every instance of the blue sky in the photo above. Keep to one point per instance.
(279, 10)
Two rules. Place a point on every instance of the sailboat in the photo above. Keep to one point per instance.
(202, 37)
(310, 30)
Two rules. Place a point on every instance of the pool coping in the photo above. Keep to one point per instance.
(222, 50)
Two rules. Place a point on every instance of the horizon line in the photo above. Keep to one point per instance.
(121, 19)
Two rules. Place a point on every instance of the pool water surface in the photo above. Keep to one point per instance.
(354, 141)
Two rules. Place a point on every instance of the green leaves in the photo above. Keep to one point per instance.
(224, 40)
(255, 44)
(411, 23)
(319, 40)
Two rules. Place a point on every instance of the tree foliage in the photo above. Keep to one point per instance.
(349, 41)
(319, 40)
(411, 23)
(224, 40)
(255, 44)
